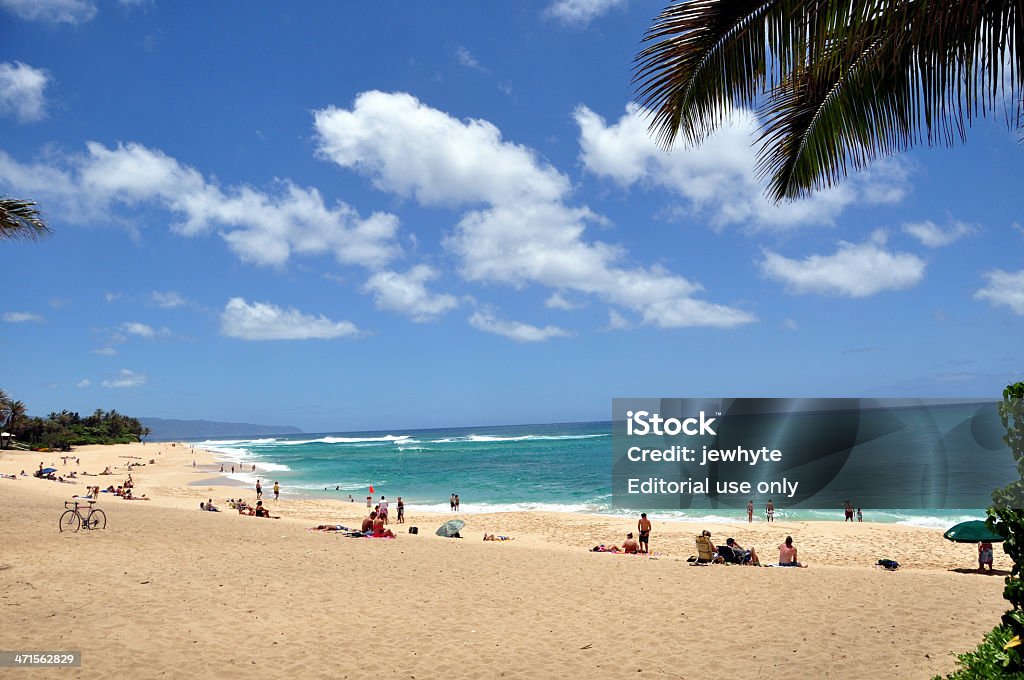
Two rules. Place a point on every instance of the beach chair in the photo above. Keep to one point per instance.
(705, 555)
(730, 555)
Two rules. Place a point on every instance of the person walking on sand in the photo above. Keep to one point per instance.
(644, 528)
(277, 491)
(259, 490)
(769, 511)
(382, 511)
(750, 511)
(401, 511)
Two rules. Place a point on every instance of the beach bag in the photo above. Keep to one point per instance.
(414, 530)
(889, 565)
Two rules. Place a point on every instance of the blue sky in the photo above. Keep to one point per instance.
(348, 216)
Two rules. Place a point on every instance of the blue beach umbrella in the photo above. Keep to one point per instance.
(47, 471)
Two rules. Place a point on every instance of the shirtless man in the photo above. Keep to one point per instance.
(769, 511)
(750, 511)
(644, 527)
(259, 490)
(368, 522)
(630, 546)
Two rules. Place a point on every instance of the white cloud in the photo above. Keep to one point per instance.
(264, 321)
(514, 330)
(21, 317)
(934, 236)
(407, 293)
(467, 59)
(167, 299)
(616, 322)
(264, 228)
(516, 228)
(111, 297)
(21, 91)
(1005, 289)
(852, 271)
(105, 351)
(558, 301)
(581, 12)
(81, 384)
(54, 11)
(716, 180)
(143, 330)
(126, 378)
(790, 325)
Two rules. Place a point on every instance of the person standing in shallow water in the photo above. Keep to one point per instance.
(450, 500)
(750, 511)
(769, 511)
(456, 502)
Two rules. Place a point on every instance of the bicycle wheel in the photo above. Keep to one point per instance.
(97, 519)
(70, 521)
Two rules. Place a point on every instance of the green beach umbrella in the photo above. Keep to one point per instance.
(974, 531)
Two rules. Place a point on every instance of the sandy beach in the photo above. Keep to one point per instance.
(170, 591)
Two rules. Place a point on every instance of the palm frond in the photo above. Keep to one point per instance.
(838, 82)
(21, 219)
(708, 55)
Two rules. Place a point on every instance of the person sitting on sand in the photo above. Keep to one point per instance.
(985, 556)
(379, 531)
(492, 537)
(630, 545)
(210, 506)
(367, 525)
(746, 556)
(263, 512)
(787, 554)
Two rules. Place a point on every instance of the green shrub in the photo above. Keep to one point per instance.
(988, 661)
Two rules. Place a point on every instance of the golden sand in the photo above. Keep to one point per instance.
(170, 591)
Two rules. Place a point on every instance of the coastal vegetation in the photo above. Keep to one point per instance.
(61, 431)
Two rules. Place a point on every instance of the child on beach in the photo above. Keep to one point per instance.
(985, 556)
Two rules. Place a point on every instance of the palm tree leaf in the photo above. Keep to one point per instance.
(708, 55)
(21, 219)
(838, 82)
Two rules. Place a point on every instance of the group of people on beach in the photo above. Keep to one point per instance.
(732, 552)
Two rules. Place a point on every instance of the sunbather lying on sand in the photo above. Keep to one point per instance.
(492, 537)
(606, 548)
(329, 527)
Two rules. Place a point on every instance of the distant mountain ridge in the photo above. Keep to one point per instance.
(162, 429)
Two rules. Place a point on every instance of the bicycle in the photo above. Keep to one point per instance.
(72, 519)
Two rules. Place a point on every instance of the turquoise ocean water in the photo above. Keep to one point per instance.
(561, 467)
